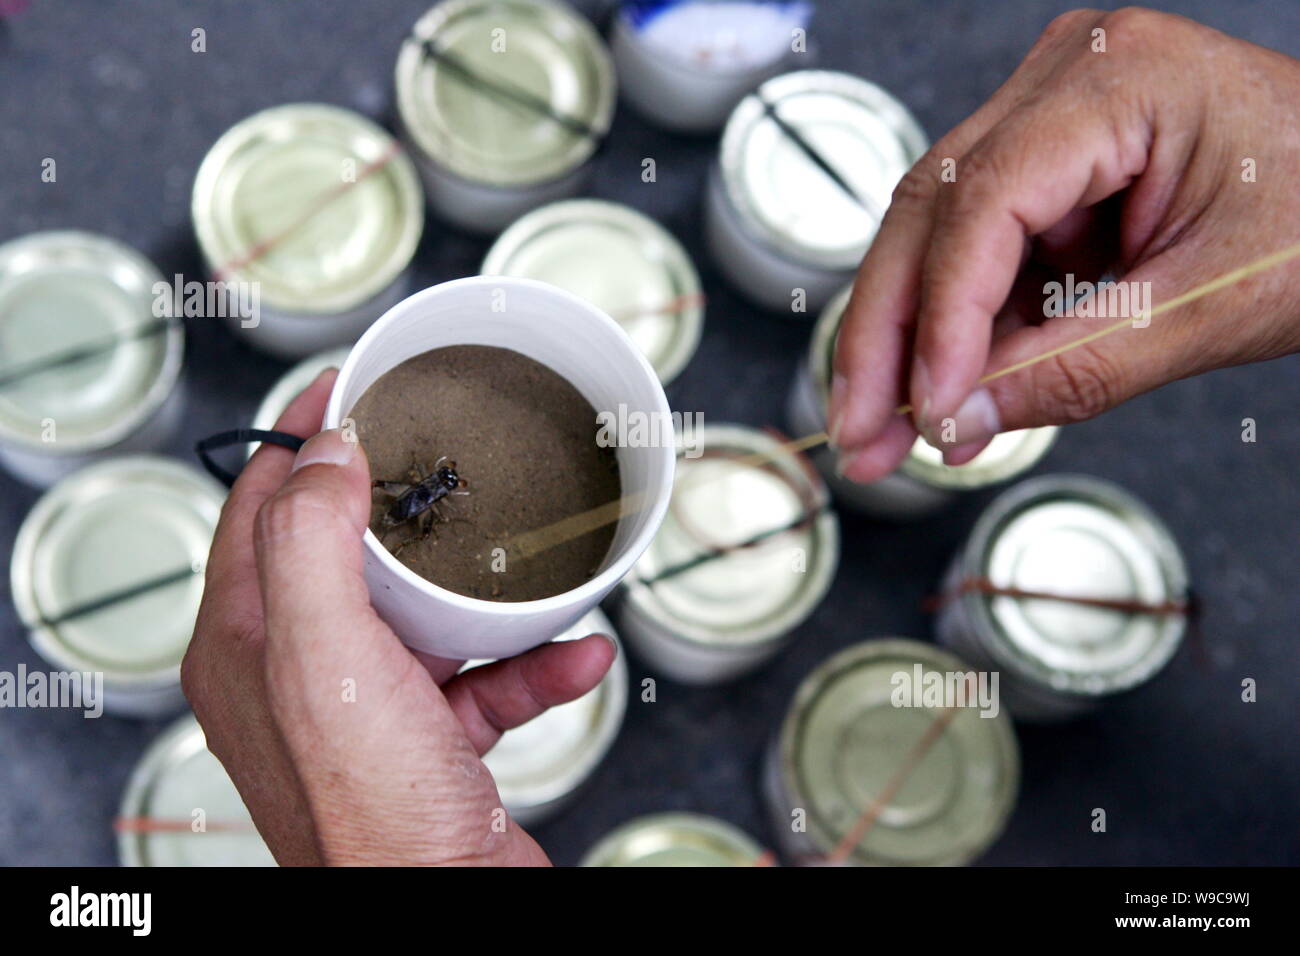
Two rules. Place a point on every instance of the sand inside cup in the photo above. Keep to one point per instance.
(524, 440)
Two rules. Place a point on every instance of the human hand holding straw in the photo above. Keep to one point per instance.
(1166, 155)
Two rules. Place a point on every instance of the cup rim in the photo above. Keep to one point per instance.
(601, 583)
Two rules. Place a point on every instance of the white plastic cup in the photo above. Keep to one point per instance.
(592, 352)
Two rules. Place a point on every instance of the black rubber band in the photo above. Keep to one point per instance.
(712, 554)
(240, 436)
(815, 157)
(128, 593)
(81, 353)
(507, 91)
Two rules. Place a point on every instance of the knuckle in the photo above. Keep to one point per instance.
(193, 685)
(1132, 27)
(209, 665)
(290, 510)
(1081, 385)
(1067, 24)
(918, 186)
(983, 169)
(981, 165)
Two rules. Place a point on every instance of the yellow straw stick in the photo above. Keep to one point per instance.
(1214, 285)
(533, 542)
(911, 760)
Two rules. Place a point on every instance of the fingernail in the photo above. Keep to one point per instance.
(920, 396)
(975, 421)
(327, 448)
(612, 643)
(846, 461)
(835, 415)
(954, 456)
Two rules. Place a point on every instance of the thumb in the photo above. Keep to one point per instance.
(308, 538)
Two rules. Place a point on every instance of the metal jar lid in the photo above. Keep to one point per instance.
(541, 762)
(1009, 454)
(844, 741)
(619, 260)
(74, 292)
(750, 595)
(1080, 537)
(505, 92)
(674, 839)
(291, 384)
(316, 204)
(101, 532)
(784, 197)
(176, 777)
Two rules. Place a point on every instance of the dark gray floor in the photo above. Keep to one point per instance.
(1188, 774)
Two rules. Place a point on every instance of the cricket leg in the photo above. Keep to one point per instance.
(383, 539)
